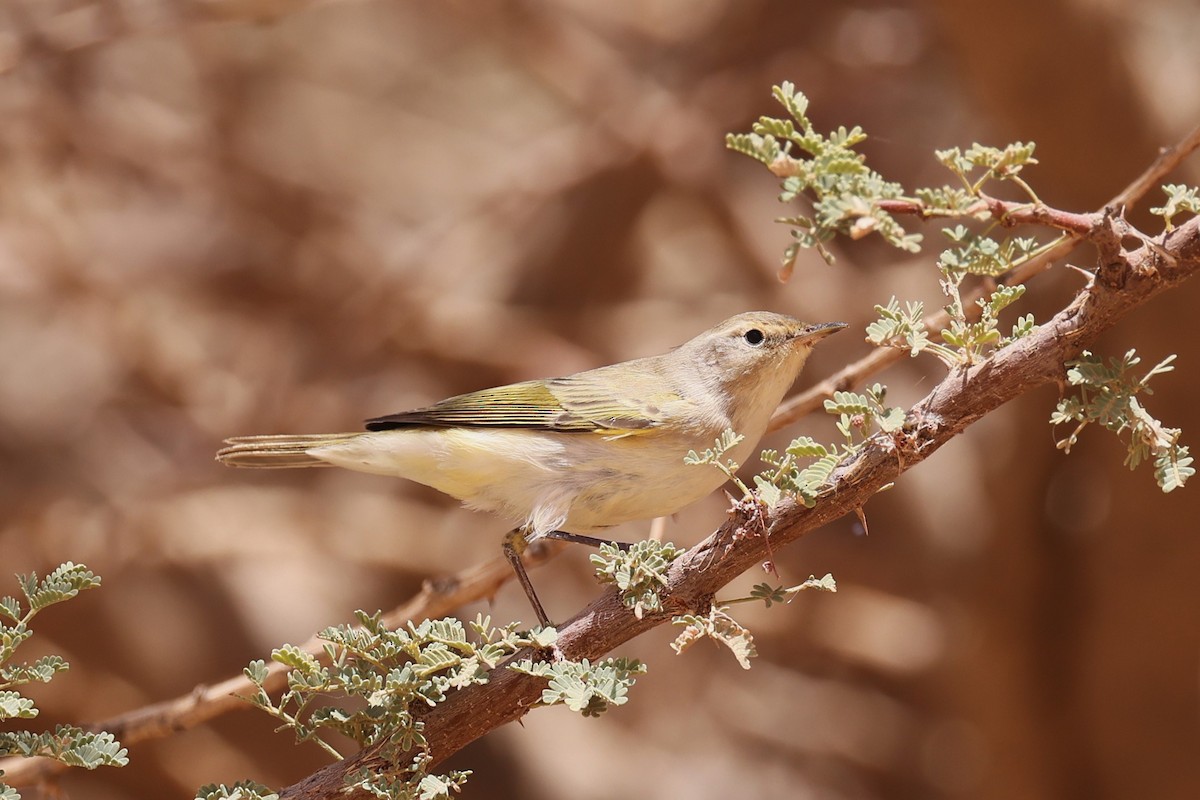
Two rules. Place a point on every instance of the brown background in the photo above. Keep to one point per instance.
(235, 217)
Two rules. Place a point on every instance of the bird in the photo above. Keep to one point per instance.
(568, 457)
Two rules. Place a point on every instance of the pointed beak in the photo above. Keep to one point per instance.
(815, 333)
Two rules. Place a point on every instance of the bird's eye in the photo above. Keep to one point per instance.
(754, 337)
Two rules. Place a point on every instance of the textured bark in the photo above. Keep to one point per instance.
(1124, 281)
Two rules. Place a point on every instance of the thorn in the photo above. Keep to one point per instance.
(1162, 253)
(862, 518)
(1088, 274)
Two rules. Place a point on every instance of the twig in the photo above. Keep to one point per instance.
(1168, 159)
(1007, 212)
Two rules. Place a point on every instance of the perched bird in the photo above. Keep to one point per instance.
(567, 457)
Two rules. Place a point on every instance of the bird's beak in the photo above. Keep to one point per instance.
(814, 333)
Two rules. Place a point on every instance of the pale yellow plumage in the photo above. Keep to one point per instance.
(583, 452)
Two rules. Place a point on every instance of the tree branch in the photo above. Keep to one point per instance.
(438, 597)
(1168, 159)
(964, 396)
(879, 359)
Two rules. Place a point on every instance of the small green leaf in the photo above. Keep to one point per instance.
(1180, 199)
(843, 192)
(10, 608)
(825, 583)
(768, 594)
(256, 672)
(899, 328)
(543, 637)
(291, 656)
(1002, 298)
(848, 403)
(768, 493)
(817, 473)
(806, 447)
(1172, 467)
(14, 706)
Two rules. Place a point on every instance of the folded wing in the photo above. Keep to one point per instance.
(581, 403)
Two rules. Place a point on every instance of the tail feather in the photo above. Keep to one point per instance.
(283, 451)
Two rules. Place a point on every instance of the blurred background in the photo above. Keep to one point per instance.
(224, 217)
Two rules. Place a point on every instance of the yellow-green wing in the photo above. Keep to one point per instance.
(580, 403)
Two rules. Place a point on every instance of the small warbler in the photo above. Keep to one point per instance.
(566, 457)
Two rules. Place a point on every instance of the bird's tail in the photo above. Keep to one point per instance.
(283, 451)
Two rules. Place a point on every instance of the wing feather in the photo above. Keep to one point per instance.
(580, 403)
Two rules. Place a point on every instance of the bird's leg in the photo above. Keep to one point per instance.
(590, 541)
(515, 544)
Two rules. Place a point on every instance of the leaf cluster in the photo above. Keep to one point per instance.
(723, 629)
(849, 198)
(841, 189)
(769, 595)
(980, 255)
(67, 744)
(965, 340)
(638, 572)
(1108, 396)
(372, 681)
(586, 688)
(804, 469)
(969, 337)
(980, 164)
(715, 456)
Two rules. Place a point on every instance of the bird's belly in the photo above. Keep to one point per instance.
(576, 482)
(612, 500)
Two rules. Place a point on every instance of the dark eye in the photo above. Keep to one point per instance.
(754, 337)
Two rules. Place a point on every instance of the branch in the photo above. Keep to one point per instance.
(880, 359)
(1007, 212)
(437, 598)
(964, 396)
(1168, 159)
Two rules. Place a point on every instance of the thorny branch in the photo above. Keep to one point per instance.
(877, 360)
(964, 396)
